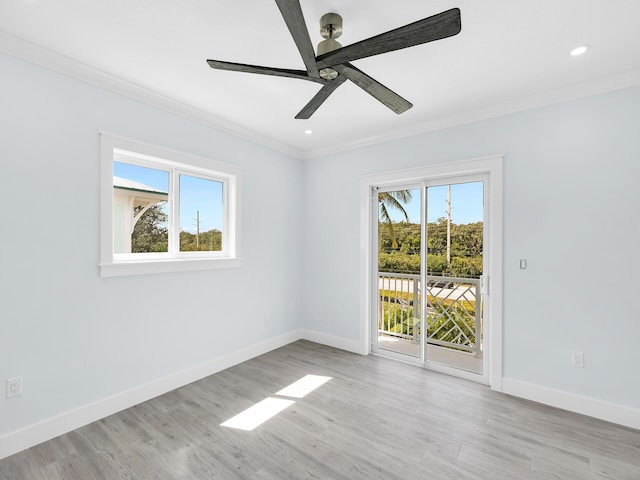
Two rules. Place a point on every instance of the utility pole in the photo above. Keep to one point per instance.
(448, 224)
(197, 228)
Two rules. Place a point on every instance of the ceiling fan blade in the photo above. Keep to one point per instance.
(319, 98)
(278, 72)
(292, 13)
(374, 88)
(436, 27)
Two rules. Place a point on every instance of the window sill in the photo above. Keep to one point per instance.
(165, 266)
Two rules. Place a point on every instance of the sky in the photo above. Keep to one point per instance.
(466, 204)
(196, 194)
(205, 196)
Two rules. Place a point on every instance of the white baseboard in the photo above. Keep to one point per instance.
(14, 442)
(611, 412)
(354, 346)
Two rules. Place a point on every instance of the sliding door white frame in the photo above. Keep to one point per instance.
(493, 296)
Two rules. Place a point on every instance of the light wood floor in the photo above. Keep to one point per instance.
(375, 419)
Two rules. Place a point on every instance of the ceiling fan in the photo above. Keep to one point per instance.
(332, 67)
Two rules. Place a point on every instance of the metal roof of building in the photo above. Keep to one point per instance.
(126, 184)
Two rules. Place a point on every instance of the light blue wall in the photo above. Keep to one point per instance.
(77, 338)
(571, 207)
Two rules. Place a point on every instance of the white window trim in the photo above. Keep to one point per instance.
(126, 264)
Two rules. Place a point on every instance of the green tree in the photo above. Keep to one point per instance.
(407, 236)
(466, 249)
(468, 239)
(150, 233)
(210, 241)
(393, 200)
(437, 236)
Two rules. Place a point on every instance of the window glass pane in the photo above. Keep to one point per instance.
(140, 209)
(201, 219)
(455, 229)
(399, 267)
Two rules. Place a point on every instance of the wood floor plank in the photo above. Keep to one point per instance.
(494, 464)
(563, 467)
(375, 419)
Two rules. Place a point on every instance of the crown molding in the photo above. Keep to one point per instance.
(542, 99)
(70, 67)
(42, 56)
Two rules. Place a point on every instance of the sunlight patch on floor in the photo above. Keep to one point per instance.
(262, 411)
(304, 386)
(256, 415)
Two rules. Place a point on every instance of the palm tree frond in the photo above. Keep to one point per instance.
(394, 200)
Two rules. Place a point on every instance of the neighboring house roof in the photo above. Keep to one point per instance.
(126, 184)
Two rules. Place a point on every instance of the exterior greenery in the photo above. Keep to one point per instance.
(394, 200)
(150, 234)
(400, 253)
(209, 241)
(399, 247)
(444, 322)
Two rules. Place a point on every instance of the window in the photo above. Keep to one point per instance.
(166, 211)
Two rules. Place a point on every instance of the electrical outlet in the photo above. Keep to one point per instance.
(14, 387)
(577, 359)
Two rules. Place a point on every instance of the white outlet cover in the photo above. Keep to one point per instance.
(14, 387)
(577, 359)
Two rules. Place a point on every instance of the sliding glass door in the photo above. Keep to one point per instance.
(428, 273)
(399, 266)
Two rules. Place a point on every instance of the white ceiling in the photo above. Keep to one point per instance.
(510, 55)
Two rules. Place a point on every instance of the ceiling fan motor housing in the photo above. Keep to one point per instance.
(331, 25)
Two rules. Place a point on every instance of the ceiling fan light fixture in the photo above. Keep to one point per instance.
(579, 50)
(328, 45)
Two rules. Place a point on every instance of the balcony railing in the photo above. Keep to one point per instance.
(453, 314)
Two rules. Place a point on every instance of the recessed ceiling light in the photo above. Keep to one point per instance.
(308, 132)
(579, 50)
